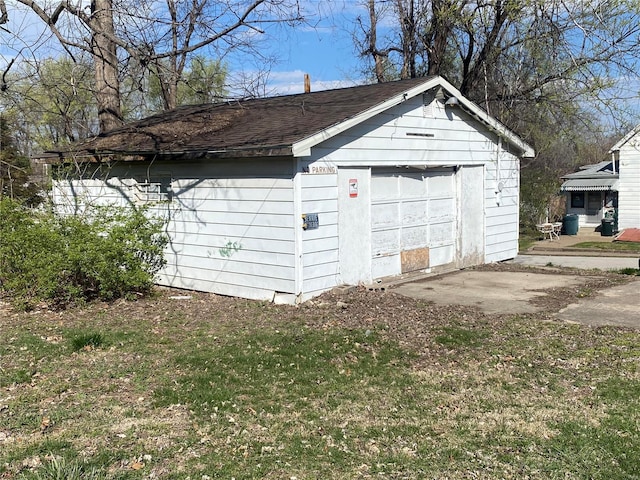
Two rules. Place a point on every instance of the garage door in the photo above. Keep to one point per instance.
(413, 219)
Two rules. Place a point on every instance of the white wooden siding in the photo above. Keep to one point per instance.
(390, 139)
(629, 185)
(231, 224)
(502, 208)
(320, 247)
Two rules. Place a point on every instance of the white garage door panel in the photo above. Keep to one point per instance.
(385, 266)
(412, 185)
(441, 184)
(413, 237)
(414, 212)
(384, 242)
(441, 255)
(386, 188)
(440, 234)
(411, 211)
(442, 210)
(386, 215)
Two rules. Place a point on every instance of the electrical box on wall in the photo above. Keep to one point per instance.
(310, 221)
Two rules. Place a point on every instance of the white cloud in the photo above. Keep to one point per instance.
(289, 82)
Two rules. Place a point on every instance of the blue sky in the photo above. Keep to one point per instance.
(328, 57)
(321, 47)
(324, 50)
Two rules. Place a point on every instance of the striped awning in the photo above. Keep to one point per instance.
(589, 185)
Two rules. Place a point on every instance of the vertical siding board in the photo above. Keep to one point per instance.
(502, 208)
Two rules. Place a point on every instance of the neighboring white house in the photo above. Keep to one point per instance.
(592, 192)
(627, 153)
(284, 198)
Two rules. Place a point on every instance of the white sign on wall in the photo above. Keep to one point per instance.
(353, 187)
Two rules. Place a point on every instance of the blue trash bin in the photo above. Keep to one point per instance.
(570, 224)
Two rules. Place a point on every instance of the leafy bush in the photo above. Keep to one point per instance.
(107, 253)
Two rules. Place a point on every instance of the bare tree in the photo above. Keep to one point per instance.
(160, 38)
(501, 51)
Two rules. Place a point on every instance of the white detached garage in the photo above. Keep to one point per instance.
(284, 198)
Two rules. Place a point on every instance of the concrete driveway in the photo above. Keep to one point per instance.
(491, 292)
(511, 293)
(619, 306)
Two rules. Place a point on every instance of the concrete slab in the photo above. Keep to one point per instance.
(492, 292)
(576, 261)
(619, 306)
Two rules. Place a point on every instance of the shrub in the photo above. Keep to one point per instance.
(106, 253)
(58, 468)
(86, 341)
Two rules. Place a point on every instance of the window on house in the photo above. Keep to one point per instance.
(594, 203)
(577, 200)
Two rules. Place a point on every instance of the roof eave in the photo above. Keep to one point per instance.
(625, 139)
(495, 125)
(133, 156)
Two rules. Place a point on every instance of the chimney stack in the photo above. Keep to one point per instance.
(307, 83)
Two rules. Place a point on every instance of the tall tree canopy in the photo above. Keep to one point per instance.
(501, 52)
(15, 170)
(160, 37)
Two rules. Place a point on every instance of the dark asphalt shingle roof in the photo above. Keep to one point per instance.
(255, 124)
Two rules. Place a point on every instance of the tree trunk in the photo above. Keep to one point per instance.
(408, 29)
(103, 49)
(373, 43)
(440, 35)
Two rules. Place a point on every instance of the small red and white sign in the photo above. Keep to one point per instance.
(353, 187)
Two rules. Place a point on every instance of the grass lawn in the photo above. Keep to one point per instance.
(367, 385)
(610, 246)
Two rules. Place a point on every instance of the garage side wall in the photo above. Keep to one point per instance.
(320, 263)
(231, 225)
(502, 207)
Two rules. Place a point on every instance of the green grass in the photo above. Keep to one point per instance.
(238, 389)
(526, 240)
(460, 337)
(630, 271)
(610, 246)
(58, 468)
(86, 341)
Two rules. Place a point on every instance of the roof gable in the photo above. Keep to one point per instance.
(285, 125)
(625, 139)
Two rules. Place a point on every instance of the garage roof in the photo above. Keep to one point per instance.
(284, 125)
